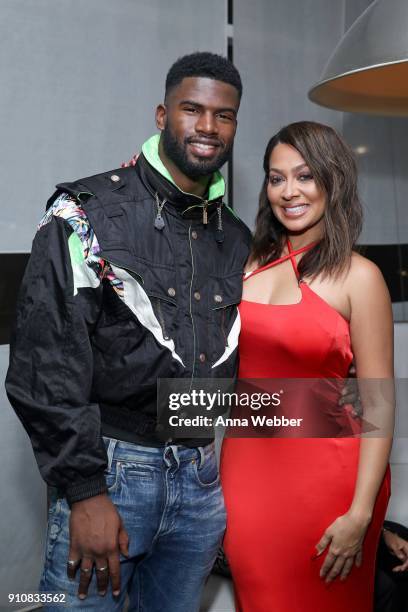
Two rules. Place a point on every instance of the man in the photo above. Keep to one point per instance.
(391, 580)
(134, 275)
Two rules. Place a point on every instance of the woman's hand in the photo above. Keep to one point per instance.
(345, 538)
(397, 547)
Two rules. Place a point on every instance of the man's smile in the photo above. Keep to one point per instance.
(203, 147)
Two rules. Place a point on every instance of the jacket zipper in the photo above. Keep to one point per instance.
(205, 203)
(205, 213)
(223, 327)
(191, 310)
(204, 206)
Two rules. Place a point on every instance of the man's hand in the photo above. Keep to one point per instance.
(97, 537)
(132, 161)
(397, 547)
(350, 394)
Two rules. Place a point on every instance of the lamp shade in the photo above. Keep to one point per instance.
(368, 70)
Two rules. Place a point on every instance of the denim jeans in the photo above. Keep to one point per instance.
(171, 503)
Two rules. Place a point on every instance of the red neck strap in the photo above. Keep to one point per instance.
(291, 255)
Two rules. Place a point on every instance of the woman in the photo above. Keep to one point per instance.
(305, 514)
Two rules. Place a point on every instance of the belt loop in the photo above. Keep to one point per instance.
(171, 450)
(202, 455)
(175, 454)
(110, 450)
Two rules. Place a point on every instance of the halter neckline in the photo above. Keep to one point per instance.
(291, 255)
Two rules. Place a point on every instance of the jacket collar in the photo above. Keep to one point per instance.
(157, 179)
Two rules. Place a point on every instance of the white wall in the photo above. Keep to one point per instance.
(80, 83)
(280, 48)
(83, 80)
(22, 503)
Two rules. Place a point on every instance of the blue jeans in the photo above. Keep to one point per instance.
(171, 503)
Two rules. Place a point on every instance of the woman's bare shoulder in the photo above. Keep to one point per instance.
(364, 277)
(363, 269)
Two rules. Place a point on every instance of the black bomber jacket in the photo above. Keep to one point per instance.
(110, 303)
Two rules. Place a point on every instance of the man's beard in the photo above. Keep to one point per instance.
(193, 169)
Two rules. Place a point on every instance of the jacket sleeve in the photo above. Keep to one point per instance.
(51, 367)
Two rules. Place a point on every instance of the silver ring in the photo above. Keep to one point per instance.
(102, 569)
(72, 563)
(86, 570)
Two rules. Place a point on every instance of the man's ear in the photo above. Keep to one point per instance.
(161, 116)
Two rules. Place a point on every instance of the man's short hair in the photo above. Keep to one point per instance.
(203, 64)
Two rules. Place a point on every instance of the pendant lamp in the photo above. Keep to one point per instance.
(368, 70)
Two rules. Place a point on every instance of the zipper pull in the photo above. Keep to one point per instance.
(219, 232)
(205, 213)
(159, 221)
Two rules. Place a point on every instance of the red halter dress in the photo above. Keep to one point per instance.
(282, 493)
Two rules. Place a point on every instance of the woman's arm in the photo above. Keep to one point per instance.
(372, 334)
(371, 327)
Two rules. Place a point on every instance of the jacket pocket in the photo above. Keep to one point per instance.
(148, 302)
(224, 297)
(159, 283)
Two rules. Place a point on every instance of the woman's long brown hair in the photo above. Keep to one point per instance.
(334, 170)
